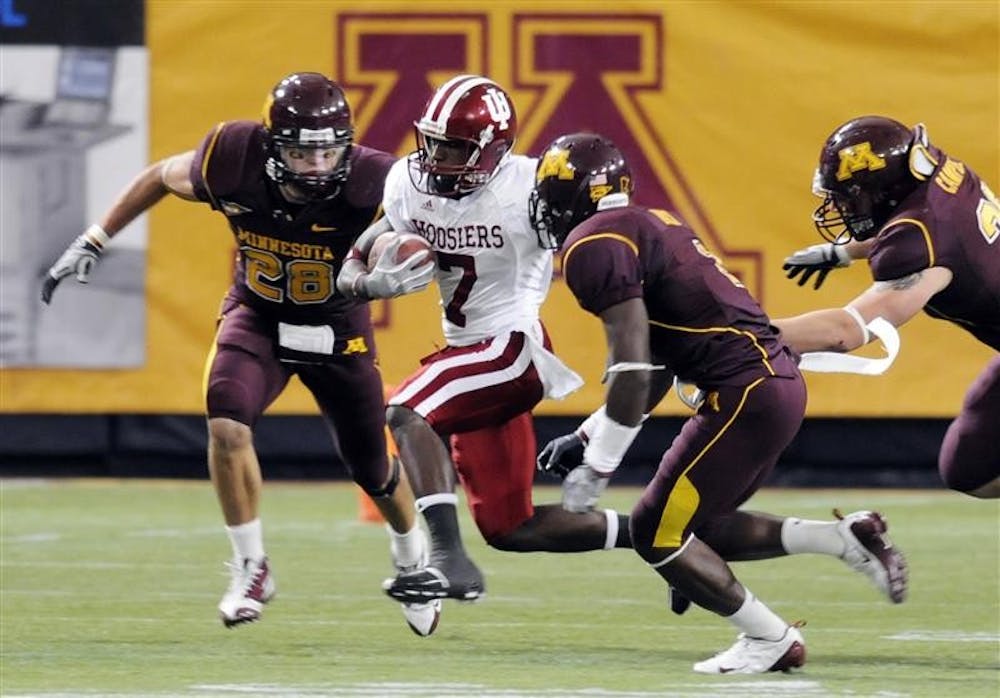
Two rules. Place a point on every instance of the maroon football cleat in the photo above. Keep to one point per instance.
(869, 551)
(250, 587)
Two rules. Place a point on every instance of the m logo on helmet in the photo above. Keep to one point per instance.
(555, 163)
(858, 157)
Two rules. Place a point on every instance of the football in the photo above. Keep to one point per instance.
(411, 244)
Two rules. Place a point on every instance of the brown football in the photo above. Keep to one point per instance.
(412, 243)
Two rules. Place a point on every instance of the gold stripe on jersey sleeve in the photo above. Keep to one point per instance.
(704, 330)
(590, 238)
(684, 498)
(927, 236)
(207, 157)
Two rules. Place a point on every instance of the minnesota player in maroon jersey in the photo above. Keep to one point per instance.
(296, 192)
(669, 309)
(930, 229)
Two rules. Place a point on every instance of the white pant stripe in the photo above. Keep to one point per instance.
(471, 384)
(494, 349)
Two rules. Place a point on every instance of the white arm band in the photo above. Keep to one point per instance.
(865, 334)
(588, 425)
(626, 366)
(97, 237)
(608, 443)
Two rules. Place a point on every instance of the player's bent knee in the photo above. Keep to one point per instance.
(398, 417)
(228, 434)
(387, 488)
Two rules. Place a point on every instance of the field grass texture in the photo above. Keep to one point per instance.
(109, 588)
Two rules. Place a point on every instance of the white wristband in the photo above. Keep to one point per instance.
(96, 236)
(588, 425)
(608, 443)
(865, 334)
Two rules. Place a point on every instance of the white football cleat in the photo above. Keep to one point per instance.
(422, 617)
(869, 551)
(251, 585)
(751, 655)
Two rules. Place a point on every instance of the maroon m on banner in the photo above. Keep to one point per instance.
(568, 72)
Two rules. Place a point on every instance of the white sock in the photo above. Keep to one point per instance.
(609, 540)
(247, 540)
(407, 548)
(804, 536)
(757, 620)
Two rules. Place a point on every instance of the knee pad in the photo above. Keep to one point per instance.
(389, 487)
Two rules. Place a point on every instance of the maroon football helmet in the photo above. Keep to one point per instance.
(308, 120)
(466, 130)
(864, 174)
(578, 175)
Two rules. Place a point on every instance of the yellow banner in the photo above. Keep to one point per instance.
(721, 106)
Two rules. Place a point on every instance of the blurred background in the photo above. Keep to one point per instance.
(721, 107)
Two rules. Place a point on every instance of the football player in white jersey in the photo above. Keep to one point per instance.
(465, 192)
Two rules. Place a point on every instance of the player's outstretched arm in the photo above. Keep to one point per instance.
(845, 329)
(167, 176)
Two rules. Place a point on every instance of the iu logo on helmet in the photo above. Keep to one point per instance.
(498, 106)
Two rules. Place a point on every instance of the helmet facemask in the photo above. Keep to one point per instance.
(447, 166)
(316, 163)
(552, 221)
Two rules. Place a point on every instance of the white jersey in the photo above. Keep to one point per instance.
(491, 271)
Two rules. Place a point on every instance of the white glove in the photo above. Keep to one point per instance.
(815, 259)
(80, 258)
(390, 279)
(582, 488)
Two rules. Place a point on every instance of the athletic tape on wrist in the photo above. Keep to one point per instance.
(608, 443)
(96, 236)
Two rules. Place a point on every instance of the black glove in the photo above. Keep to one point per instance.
(561, 455)
(815, 259)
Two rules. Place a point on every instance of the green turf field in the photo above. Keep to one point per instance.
(110, 587)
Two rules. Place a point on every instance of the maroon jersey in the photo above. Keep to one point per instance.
(289, 255)
(703, 323)
(952, 220)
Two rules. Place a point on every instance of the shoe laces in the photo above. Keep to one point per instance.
(241, 575)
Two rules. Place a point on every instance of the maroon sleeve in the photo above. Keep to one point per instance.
(369, 168)
(901, 249)
(228, 154)
(602, 270)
